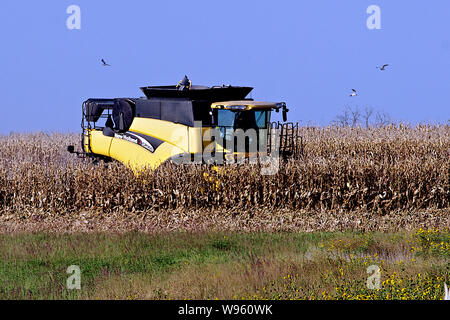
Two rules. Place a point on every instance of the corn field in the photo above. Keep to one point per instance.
(375, 170)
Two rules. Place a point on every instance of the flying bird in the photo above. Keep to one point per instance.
(383, 67)
(104, 63)
(353, 94)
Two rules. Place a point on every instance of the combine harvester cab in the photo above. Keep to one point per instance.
(175, 122)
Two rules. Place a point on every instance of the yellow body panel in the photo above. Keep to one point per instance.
(178, 139)
(137, 158)
(131, 154)
(196, 143)
(174, 133)
(99, 143)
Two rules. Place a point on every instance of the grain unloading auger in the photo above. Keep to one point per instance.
(183, 121)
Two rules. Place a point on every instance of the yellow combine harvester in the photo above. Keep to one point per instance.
(180, 122)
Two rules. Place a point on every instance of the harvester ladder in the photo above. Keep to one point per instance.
(290, 141)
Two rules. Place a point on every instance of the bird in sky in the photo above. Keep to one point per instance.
(353, 94)
(383, 67)
(104, 63)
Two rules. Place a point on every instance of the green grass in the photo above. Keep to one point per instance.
(211, 265)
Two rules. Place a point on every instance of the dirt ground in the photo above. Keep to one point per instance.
(262, 220)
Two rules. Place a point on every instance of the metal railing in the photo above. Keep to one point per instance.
(290, 141)
(87, 125)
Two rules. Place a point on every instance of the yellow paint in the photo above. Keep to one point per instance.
(173, 133)
(131, 154)
(138, 158)
(100, 143)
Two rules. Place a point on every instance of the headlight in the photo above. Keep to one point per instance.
(237, 107)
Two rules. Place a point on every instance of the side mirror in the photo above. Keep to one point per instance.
(71, 149)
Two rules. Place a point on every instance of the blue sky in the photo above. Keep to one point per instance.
(307, 53)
